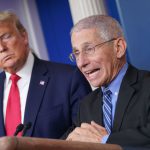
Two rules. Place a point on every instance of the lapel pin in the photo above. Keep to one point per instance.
(42, 82)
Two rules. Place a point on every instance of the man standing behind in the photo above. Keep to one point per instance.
(119, 110)
(33, 91)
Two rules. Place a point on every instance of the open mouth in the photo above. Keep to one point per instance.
(92, 73)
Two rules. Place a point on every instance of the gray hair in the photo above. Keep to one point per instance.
(8, 16)
(107, 27)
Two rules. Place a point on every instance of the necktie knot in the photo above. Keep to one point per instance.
(14, 78)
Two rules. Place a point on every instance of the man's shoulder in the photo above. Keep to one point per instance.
(62, 71)
(55, 64)
(140, 71)
(2, 74)
(134, 73)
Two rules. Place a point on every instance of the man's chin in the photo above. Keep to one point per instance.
(94, 83)
(8, 66)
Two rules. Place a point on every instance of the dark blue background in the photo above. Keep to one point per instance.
(56, 22)
(133, 15)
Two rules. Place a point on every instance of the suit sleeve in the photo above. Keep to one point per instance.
(132, 137)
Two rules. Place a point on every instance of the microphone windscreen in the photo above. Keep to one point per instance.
(19, 128)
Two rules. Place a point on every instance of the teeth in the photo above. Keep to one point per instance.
(88, 72)
(92, 71)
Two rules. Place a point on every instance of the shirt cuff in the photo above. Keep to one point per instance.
(104, 139)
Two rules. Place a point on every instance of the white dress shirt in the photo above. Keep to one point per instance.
(23, 85)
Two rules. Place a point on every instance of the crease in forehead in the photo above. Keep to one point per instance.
(7, 19)
(6, 27)
(6, 23)
(86, 37)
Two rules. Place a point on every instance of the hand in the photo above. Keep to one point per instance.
(99, 128)
(88, 133)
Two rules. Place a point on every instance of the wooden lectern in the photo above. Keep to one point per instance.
(28, 143)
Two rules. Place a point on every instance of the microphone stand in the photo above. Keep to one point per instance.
(19, 128)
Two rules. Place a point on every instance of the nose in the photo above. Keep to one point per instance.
(82, 61)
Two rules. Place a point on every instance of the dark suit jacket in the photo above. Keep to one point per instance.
(52, 101)
(132, 116)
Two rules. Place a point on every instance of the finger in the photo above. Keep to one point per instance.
(93, 123)
(84, 132)
(87, 133)
(99, 128)
(90, 128)
(86, 126)
(72, 136)
(83, 138)
(81, 131)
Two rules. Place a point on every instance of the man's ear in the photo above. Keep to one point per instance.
(25, 36)
(120, 47)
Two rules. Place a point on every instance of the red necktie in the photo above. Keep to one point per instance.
(13, 111)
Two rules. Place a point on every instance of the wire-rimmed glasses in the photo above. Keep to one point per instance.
(88, 51)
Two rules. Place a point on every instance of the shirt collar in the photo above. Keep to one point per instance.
(114, 86)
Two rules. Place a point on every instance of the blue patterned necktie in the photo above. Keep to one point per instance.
(107, 109)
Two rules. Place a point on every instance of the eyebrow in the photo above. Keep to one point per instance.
(3, 34)
(84, 45)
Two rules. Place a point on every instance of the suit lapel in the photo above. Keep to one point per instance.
(37, 87)
(95, 106)
(98, 105)
(2, 128)
(125, 95)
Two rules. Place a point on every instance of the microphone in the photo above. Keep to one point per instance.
(19, 128)
(26, 127)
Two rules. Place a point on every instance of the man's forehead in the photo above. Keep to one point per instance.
(85, 34)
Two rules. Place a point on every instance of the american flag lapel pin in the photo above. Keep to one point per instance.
(42, 82)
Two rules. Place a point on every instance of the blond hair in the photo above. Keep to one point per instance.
(8, 16)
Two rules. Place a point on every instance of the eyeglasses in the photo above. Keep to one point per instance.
(88, 50)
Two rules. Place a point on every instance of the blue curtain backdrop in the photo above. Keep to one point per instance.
(112, 11)
(134, 17)
(56, 23)
(111, 8)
